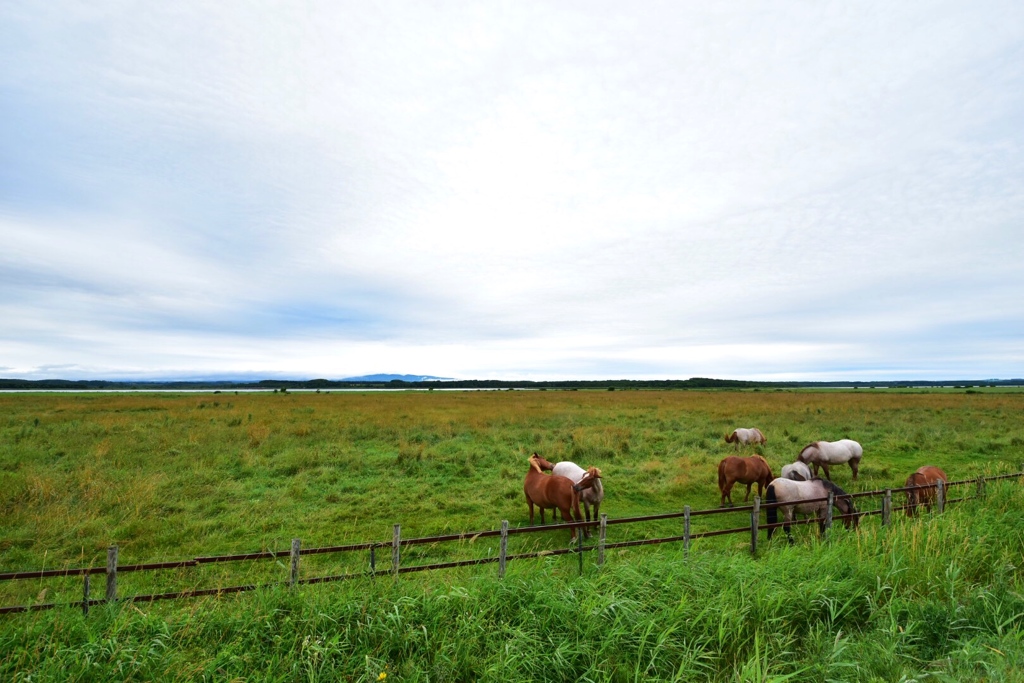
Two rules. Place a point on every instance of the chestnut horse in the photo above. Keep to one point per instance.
(746, 436)
(749, 471)
(929, 474)
(553, 491)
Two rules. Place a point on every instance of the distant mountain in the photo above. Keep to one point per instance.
(400, 378)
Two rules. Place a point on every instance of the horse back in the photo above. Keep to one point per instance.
(931, 474)
(549, 490)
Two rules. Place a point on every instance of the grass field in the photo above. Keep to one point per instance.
(178, 475)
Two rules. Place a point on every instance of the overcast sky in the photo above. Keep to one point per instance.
(516, 190)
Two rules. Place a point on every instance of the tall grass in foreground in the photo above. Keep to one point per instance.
(936, 598)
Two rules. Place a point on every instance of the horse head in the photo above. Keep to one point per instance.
(540, 463)
(844, 502)
(915, 479)
(589, 479)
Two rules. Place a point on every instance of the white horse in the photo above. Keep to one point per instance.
(793, 494)
(825, 453)
(796, 471)
(746, 436)
(588, 496)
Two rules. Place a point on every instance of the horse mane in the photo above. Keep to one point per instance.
(833, 487)
(534, 464)
(761, 458)
(804, 450)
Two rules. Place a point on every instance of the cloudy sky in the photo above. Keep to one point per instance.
(527, 190)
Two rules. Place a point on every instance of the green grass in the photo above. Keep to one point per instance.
(174, 476)
(929, 599)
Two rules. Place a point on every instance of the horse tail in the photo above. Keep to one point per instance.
(772, 513)
(721, 476)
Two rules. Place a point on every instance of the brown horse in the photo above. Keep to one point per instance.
(553, 491)
(929, 474)
(749, 471)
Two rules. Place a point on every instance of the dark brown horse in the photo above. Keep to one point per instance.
(553, 491)
(929, 474)
(749, 471)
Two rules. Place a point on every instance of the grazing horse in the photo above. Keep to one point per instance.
(746, 436)
(592, 495)
(929, 474)
(796, 471)
(552, 491)
(791, 493)
(749, 471)
(825, 453)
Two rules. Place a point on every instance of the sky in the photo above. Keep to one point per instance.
(512, 190)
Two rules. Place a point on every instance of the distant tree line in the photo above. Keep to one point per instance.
(619, 384)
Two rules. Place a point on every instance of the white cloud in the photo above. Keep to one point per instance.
(530, 190)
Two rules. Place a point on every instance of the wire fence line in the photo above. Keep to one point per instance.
(296, 552)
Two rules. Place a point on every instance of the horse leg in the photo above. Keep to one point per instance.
(530, 504)
(814, 465)
(586, 511)
(827, 475)
(727, 493)
(787, 519)
(854, 465)
(567, 517)
(747, 497)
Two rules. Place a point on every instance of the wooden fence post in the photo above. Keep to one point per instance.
(503, 549)
(601, 536)
(940, 495)
(979, 487)
(755, 517)
(686, 531)
(887, 507)
(373, 559)
(112, 573)
(85, 594)
(395, 541)
(293, 575)
(828, 511)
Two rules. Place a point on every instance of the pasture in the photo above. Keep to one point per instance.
(167, 476)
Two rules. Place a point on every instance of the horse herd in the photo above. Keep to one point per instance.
(798, 490)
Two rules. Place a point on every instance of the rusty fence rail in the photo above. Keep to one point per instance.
(112, 569)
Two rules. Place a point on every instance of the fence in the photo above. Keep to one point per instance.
(112, 569)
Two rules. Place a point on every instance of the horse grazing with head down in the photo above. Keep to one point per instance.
(797, 471)
(825, 453)
(799, 496)
(749, 471)
(746, 436)
(929, 474)
(553, 491)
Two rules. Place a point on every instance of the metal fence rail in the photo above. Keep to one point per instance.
(397, 543)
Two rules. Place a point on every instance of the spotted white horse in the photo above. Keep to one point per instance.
(825, 453)
(590, 496)
(743, 436)
(797, 471)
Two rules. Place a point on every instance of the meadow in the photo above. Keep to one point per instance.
(170, 476)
